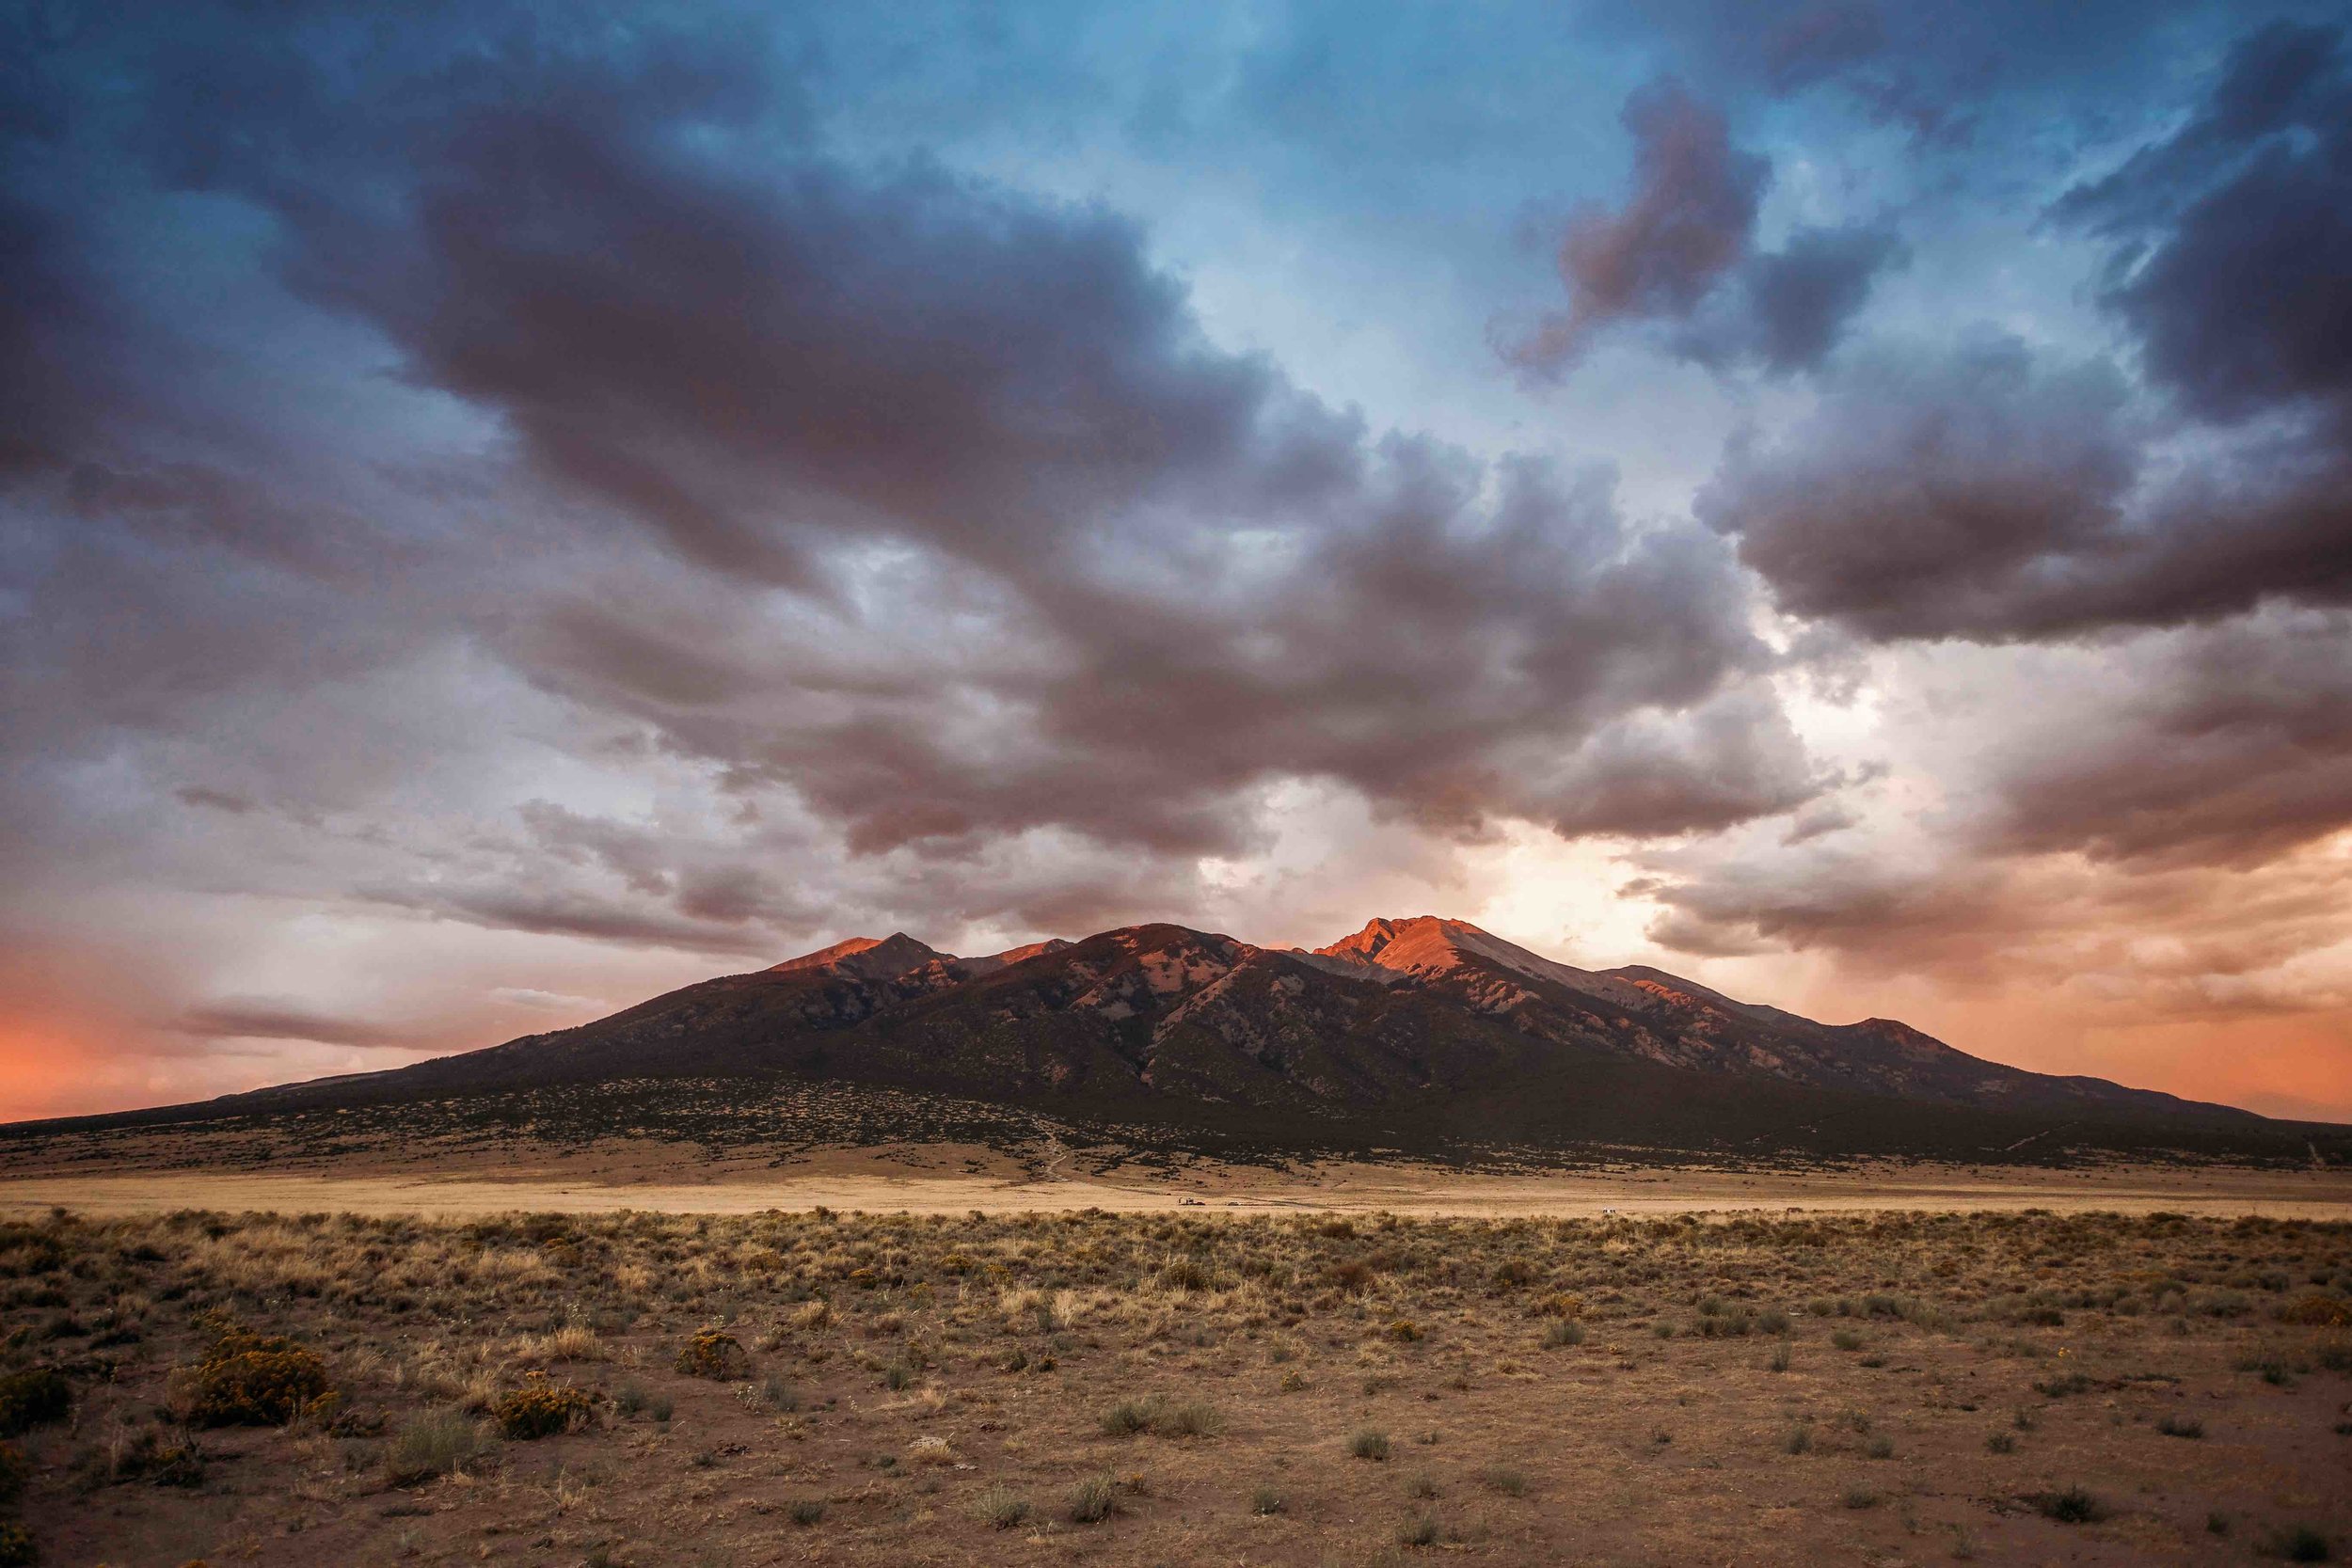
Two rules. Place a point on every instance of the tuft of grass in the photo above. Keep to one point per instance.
(1779, 1359)
(1163, 1418)
(433, 1444)
(1861, 1496)
(1503, 1478)
(1000, 1506)
(1094, 1500)
(1563, 1331)
(2073, 1506)
(1846, 1338)
(2300, 1543)
(2001, 1442)
(1424, 1531)
(1368, 1443)
(1800, 1441)
(806, 1511)
(2181, 1426)
(1267, 1501)
(1880, 1447)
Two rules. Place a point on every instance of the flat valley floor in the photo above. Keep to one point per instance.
(137, 1173)
(1349, 1366)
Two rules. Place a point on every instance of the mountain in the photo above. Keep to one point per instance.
(1421, 1033)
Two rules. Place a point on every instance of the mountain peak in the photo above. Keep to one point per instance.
(1381, 933)
(866, 958)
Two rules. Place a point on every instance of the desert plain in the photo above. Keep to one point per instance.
(959, 1355)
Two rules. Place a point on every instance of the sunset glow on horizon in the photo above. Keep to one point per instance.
(506, 511)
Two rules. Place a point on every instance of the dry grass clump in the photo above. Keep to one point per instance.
(2318, 1311)
(1094, 1500)
(1000, 1506)
(1163, 1418)
(432, 1444)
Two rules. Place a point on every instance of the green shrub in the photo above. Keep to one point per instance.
(31, 1398)
(251, 1379)
(1368, 1443)
(1267, 1501)
(542, 1409)
(715, 1354)
(2181, 1426)
(806, 1511)
(1563, 1331)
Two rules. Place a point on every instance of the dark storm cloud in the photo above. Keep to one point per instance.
(1681, 253)
(1787, 308)
(1983, 495)
(265, 1020)
(904, 499)
(1196, 578)
(2236, 232)
(2223, 745)
(1987, 496)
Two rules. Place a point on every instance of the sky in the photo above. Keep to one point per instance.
(506, 509)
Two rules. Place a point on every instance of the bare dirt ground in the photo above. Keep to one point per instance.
(2012, 1385)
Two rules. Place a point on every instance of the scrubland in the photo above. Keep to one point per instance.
(646, 1389)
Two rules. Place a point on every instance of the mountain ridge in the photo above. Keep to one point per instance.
(1410, 1031)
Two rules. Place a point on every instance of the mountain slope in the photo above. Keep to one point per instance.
(1410, 1033)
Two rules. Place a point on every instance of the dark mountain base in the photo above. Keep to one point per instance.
(781, 1115)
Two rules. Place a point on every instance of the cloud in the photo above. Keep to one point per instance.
(2235, 233)
(1794, 305)
(1990, 494)
(249, 1018)
(1681, 252)
(2229, 745)
(1685, 225)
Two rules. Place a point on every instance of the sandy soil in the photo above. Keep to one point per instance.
(944, 1182)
